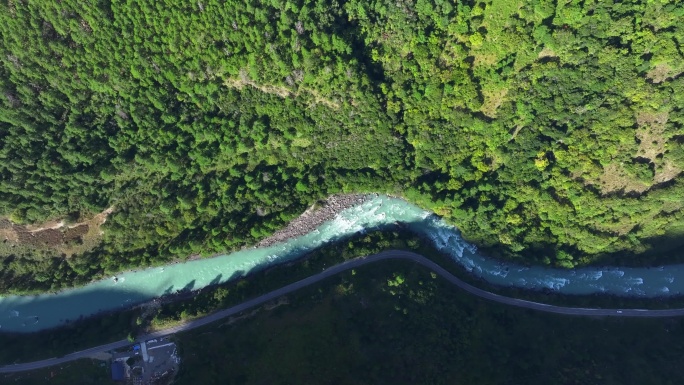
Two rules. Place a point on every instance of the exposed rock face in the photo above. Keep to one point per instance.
(314, 217)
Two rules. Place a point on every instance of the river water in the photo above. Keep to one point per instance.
(37, 312)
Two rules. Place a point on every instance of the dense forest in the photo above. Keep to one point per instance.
(547, 131)
(397, 323)
(105, 327)
(386, 323)
(389, 322)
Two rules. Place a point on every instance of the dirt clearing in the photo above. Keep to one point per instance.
(57, 235)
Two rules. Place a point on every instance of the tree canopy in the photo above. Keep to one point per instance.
(546, 131)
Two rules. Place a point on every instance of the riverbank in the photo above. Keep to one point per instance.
(177, 309)
(336, 224)
(356, 329)
(314, 216)
(317, 214)
(184, 308)
(352, 264)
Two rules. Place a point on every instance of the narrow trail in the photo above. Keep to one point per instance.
(334, 270)
(99, 219)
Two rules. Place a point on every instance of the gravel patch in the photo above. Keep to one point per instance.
(314, 216)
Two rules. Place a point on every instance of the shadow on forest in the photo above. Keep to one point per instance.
(63, 308)
(663, 250)
(81, 312)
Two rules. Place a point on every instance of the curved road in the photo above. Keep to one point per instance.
(390, 254)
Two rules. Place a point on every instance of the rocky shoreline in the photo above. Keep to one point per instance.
(314, 216)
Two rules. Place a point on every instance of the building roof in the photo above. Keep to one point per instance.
(118, 371)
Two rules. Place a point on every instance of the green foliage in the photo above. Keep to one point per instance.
(528, 125)
(396, 281)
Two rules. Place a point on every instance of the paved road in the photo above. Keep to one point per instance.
(390, 254)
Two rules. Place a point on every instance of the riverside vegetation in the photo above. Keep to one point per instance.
(395, 323)
(365, 325)
(170, 310)
(548, 132)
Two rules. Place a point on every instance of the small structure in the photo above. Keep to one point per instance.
(118, 371)
(143, 348)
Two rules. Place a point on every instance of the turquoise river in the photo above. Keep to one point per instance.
(37, 312)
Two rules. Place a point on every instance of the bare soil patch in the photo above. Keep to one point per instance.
(662, 72)
(652, 147)
(7, 233)
(666, 172)
(484, 59)
(281, 91)
(53, 224)
(615, 178)
(41, 238)
(54, 235)
(75, 233)
(651, 134)
(546, 52)
(492, 100)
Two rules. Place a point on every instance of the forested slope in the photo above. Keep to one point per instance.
(550, 131)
